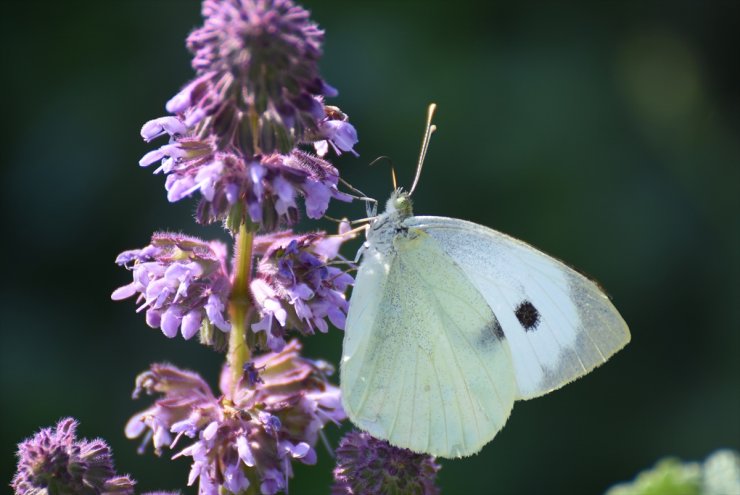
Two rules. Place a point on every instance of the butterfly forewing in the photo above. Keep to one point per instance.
(559, 324)
(425, 364)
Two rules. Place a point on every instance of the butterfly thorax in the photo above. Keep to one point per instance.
(389, 224)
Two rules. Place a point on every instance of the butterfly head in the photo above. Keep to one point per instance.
(399, 204)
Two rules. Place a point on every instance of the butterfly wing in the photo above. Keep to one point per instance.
(558, 323)
(425, 364)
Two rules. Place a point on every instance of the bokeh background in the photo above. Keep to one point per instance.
(605, 133)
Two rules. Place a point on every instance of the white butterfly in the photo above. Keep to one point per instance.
(451, 322)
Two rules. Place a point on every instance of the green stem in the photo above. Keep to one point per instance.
(240, 305)
(254, 122)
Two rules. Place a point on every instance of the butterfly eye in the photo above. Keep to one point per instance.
(402, 204)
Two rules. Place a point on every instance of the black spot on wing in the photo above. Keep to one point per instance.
(497, 330)
(527, 315)
(491, 334)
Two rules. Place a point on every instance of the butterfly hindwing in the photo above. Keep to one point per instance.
(425, 364)
(559, 324)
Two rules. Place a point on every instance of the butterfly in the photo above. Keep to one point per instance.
(451, 322)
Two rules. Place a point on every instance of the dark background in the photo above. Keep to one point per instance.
(605, 133)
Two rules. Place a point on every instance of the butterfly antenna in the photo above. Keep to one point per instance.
(430, 128)
(382, 157)
(393, 169)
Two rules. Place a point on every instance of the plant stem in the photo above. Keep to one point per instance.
(240, 305)
(255, 125)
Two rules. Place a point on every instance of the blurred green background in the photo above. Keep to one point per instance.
(605, 133)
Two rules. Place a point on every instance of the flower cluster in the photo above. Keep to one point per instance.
(257, 84)
(181, 282)
(257, 94)
(263, 187)
(249, 435)
(295, 287)
(53, 461)
(368, 466)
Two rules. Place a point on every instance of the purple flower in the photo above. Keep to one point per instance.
(256, 64)
(264, 188)
(251, 436)
(181, 282)
(295, 288)
(54, 461)
(187, 398)
(370, 466)
(335, 130)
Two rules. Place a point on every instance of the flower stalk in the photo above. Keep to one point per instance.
(254, 124)
(240, 305)
(251, 136)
